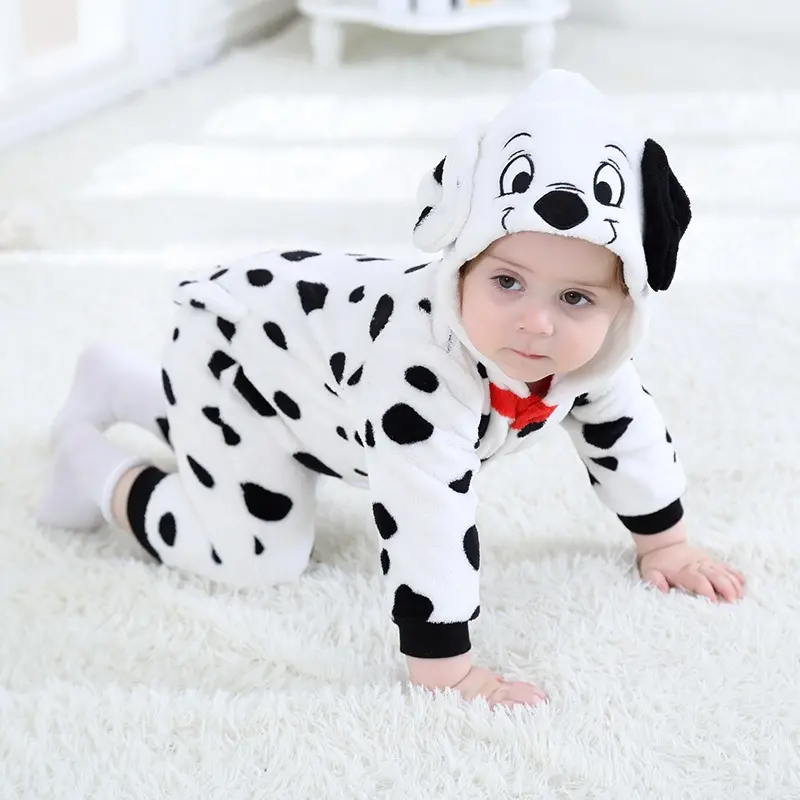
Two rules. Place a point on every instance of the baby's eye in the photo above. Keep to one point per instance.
(574, 298)
(506, 282)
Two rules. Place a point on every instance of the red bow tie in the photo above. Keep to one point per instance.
(521, 410)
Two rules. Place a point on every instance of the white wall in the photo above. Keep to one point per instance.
(775, 19)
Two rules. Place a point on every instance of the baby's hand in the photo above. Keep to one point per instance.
(693, 570)
(471, 682)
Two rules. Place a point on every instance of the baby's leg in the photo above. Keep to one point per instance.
(112, 384)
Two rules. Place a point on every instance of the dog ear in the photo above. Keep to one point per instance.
(666, 216)
(445, 194)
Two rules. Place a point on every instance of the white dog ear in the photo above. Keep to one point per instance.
(445, 194)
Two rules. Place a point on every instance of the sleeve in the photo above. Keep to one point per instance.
(624, 444)
(420, 429)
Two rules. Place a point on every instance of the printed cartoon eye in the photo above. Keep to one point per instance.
(517, 176)
(609, 188)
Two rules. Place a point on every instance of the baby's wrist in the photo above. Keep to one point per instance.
(438, 673)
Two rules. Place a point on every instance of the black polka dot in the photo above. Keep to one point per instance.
(422, 378)
(462, 484)
(609, 462)
(212, 414)
(402, 424)
(167, 387)
(298, 255)
(371, 258)
(227, 329)
(259, 277)
(287, 405)
(369, 434)
(314, 464)
(530, 428)
(425, 211)
(355, 377)
(438, 170)
(275, 334)
(581, 400)
(483, 425)
(185, 283)
(669, 438)
(592, 480)
(216, 559)
(163, 426)
(264, 504)
(414, 269)
(482, 371)
(175, 334)
(218, 274)
(167, 529)
(425, 305)
(361, 472)
(357, 295)
(342, 432)
(357, 437)
(336, 362)
(472, 549)
(259, 548)
(475, 613)
(382, 314)
(201, 473)
(410, 605)
(385, 562)
(606, 434)
(331, 390)
(219, 362)
(197, 304)
(252, 396)
(312, 295)
(387, 527)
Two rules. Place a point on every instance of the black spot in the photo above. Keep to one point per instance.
(201, 473)
(259, 548)
(252, 396)
(669, 438)
(438, 170)
(414, 269)
(483, 425)
(314, 464)
(592, 480)
(381, 315)
(387, 527)
(312, 295)
(369, 434)
(530, 428)
(355, 377)
(361, 472)
(422, 378)
(218, 274)
(197, 304)
(175, 334)
(231, 437)
(219, 362)
(259, 277)
(646, 392)
(581, 400)
(331, 390)
(211, 413)
(163, 426)
(342, 432)
(385, 562)
(167, 529)
(402, 424)
(372, 258)
(264, 504)
(410, 605)
(215, 557)
(227, 329)
(425, 305)
(475, 613)
(357, 295)
(287, 405)
(425, 211)
(472, 549)
(167, 387)
(605, 434)
(185, 283)
(482, 371)
(275, 334)
(298, 255)
(462, 484)
(357, 437)
(336, 363)
(609, 462)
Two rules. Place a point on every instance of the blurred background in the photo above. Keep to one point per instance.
(175, 132)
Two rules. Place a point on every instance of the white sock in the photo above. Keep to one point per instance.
(85, 470)
(112, 385)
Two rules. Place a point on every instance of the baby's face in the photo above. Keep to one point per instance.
(539, 294)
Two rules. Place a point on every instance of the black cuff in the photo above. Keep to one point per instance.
(658, 522)
(138, 498)
(433, 639)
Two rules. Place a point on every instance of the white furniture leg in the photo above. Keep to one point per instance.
(327, 41)
(538, 44)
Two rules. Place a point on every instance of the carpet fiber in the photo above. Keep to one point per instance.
(120, 678)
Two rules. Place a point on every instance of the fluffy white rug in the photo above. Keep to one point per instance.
(122, 679)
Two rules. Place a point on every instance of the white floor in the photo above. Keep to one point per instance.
(121, 679)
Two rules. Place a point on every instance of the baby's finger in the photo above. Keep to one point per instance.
(721, 581)
(699, 584)
(657, 579)
(735, 579)
(517, 693)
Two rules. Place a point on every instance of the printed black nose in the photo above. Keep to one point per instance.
(563, 210)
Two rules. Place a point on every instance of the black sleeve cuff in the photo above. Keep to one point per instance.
(658, 522)
(433, 639)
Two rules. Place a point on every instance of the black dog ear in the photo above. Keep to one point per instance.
(666, 216)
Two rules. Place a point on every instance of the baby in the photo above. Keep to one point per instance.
(554, 225)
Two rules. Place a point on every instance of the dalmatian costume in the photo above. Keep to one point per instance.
(288, 366)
